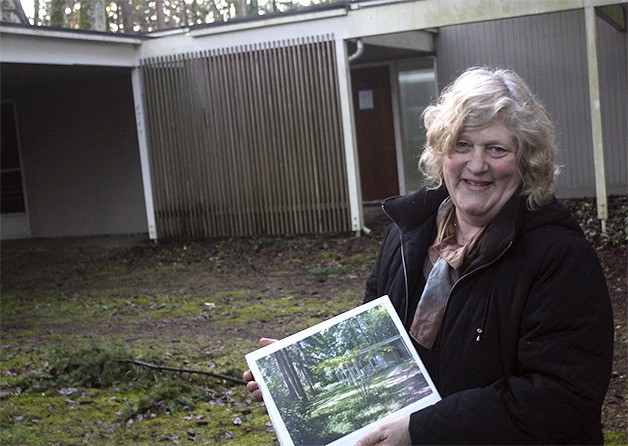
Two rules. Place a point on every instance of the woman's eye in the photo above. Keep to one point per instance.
(497, 151)
(461, 146)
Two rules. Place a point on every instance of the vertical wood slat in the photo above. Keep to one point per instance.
(247, 140)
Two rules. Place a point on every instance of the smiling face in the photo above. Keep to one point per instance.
(481, 173)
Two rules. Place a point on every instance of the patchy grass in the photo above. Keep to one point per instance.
(70, 313)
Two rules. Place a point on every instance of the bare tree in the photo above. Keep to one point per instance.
(159, 13)
(240, 8)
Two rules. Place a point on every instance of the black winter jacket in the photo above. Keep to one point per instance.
(525, 350)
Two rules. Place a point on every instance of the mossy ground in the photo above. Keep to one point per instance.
(199, 305)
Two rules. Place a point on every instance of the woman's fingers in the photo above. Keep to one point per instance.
(266, 341)
(251, 386)
(247, 376)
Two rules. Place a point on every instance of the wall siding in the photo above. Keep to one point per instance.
(549, 51)
(612, 55)
(247, 140)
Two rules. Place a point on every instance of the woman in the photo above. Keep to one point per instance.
(503, 296)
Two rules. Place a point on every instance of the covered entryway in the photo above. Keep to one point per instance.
(70, 160)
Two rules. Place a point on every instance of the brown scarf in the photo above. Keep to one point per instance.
(447, 246)
(445, 254)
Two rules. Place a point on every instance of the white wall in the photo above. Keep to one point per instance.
(80, 157)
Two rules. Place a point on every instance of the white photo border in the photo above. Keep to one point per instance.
(281, 430)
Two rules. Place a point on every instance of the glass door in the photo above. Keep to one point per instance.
(416, 89)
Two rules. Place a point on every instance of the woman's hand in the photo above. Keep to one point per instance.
(394, 433)
(251, 385)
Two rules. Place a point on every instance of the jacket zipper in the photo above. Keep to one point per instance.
(480, 330)
(403, 264)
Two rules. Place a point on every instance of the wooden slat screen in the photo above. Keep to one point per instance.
(247, 141)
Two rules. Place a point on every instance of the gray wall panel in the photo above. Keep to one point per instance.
(613, 50)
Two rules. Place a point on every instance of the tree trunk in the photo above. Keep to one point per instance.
(281, 363)
(159, 12)
(125, 16)
(97, 15)
(57, 13)
(253, 8)
(218, 17)
(293, 376)
(36, 21)
(240, 8)
(84, 15)
(183, 13)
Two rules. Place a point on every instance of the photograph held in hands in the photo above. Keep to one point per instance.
(333, 382)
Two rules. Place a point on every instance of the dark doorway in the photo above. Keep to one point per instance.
(374, 124)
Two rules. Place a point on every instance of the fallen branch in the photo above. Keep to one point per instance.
(181, 370)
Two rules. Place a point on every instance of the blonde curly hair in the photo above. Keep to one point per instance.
(472, 102)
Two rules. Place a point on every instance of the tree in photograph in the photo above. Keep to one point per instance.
(305, 355)
(290, 376)
(358, 350)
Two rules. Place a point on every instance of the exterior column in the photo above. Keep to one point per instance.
(142, 139)
(350, 145)
(596, 116)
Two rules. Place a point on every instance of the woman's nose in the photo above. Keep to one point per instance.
(477, 161)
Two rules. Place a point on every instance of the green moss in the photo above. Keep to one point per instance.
(326, 271)
(366, 259)
(46, 418)
(37, 419)
(615, 438)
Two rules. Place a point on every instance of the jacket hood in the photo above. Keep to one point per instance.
(410, 211)
(553, 213)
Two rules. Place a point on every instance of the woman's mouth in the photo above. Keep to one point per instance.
(477, 184)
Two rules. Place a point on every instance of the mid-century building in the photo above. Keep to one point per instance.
(284, 124)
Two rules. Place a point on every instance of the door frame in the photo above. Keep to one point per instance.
(16, 225)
